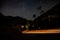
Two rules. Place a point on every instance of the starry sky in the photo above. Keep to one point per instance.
(25, 8)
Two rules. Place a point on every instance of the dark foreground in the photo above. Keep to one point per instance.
(41, 36)
(13, 34)
(10, 36)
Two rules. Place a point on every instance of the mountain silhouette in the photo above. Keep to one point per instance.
(50, 19)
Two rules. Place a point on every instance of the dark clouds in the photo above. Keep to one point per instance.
(25, 8)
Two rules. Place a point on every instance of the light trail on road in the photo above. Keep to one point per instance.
(49, 31)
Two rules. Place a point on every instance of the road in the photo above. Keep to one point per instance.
(47, 31)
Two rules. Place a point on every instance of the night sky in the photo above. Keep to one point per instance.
(25, 8)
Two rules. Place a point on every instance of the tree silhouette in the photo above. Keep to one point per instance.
(34, 15)
(40, 9)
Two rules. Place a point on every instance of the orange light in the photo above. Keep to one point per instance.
(41, 31)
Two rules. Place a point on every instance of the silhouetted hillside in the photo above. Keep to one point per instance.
(54, 10)
(9, 26)
(1, 14)
(50, 19)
